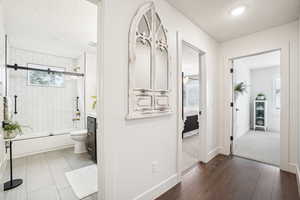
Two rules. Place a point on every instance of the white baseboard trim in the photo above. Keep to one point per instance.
(298, 177)
(158, 189)
(223, 151)
(213, 153)
(292, 168)
(42, 151)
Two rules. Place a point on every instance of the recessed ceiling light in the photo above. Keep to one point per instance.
(238, 11)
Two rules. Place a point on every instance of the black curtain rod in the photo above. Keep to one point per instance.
(16, 67)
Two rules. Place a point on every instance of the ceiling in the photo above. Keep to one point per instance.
(62, 26)
(264, 60)
(213, 16)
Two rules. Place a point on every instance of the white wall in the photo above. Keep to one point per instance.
(43, 109)
(283, 36)
(2, 62)
(242, 102)
(91, 85)
(299, 91)
(130, 147)
(262, 81)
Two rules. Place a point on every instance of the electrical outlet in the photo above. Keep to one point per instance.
(154, 167)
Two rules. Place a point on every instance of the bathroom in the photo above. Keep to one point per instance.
(48, 89)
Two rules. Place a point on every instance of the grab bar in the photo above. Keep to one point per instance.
(16, 112)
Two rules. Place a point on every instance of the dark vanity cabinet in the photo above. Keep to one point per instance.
(92, 137)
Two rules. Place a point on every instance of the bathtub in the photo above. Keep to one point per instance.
(33, 143)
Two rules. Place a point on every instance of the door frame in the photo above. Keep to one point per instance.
(203, 103)
(284, 98)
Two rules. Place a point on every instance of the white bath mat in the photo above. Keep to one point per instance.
(83, 181)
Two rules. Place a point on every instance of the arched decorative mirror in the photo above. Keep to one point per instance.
(149, 73)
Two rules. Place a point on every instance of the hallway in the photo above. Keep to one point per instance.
(234, 179)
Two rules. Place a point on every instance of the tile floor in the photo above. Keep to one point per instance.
(44, 176)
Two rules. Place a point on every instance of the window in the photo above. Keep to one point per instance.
(277, 93)
(41, 78)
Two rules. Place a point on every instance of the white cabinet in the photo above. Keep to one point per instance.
(260, 115)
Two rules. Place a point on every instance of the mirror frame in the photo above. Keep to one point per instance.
(148, 102)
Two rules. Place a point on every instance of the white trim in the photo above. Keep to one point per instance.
(285, 99)
(180, 124)
(216, 151)
(298, 177)
(96, 2)
(42, 151)
(158, 189)
(104, 184)
(293, 168)
(203, 118)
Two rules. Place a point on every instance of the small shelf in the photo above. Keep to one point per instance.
(260, 114)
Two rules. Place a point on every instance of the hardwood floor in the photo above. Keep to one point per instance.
(234, 178)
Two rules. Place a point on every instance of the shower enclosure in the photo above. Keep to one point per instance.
(46, 93)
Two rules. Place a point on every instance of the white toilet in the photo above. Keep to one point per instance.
(79, 137)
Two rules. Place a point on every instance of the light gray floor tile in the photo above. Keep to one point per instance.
(18, 193)
(19, 171)
(67, 194)
(77, 161)
(46, 193)
(19, 168)
(56, 160)
(60, 178)
(44, 175)
(38, 173)
(91, 197)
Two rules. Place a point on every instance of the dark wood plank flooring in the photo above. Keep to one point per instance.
(234, 178)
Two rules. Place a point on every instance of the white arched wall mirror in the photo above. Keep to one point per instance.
(149, 72)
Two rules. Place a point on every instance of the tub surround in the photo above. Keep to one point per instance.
(41, 144)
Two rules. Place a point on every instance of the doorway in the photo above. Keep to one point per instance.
(192, 101)
(257, 105)
(51, 91)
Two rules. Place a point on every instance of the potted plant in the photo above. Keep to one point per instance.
(240, 89)
(261, 96)
(11, 129)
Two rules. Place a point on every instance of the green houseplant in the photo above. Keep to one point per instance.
(11, 129)
(240, 89)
